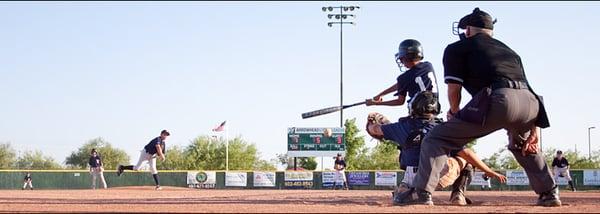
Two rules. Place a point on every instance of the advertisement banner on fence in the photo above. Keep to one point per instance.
(478, 179)
(359, 178)
(386, 179)
(298, 179)
(202, 179)
(591, 177)
(516, 178)
(236, 179)
(562, 180)
(329, 177)
(264, 179)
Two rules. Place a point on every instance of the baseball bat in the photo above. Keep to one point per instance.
(329, 110)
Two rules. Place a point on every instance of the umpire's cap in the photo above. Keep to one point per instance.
(165, 132)
(477, 19)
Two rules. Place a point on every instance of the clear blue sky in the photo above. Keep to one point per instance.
(73, 71)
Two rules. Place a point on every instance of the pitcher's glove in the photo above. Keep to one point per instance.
(376, 118)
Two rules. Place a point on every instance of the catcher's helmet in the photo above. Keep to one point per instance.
(410, 49)
(425, 102)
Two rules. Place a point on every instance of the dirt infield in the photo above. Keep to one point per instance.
(170, 199)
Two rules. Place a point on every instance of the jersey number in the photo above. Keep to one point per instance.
(421, 84)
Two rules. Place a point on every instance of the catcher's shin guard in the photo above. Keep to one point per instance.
(459, 187)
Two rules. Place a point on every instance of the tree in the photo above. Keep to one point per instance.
(493, 161)
(36, 160)
(111, 157)
(204, 154)
(385, 156)
(502, 159)
(209, 154)
(308, 163)
(174, 159)
(471, 144)
(7, 156)
(263, 165)
(355, 145)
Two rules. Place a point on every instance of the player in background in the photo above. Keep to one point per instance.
(408, 134)
(420, 75)
(156, 148)
(561, 168)
(96, 169)
(27, 181)
(340, 166)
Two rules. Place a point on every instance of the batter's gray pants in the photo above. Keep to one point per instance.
(514, 110)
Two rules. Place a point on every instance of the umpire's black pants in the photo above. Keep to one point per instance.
(514, 110)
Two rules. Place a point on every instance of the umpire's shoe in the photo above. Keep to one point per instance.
(412, 196)
(550, 198)
(119, 170)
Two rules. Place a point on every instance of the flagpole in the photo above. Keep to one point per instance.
(226, 148)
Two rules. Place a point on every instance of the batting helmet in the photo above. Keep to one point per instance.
(410, 49)
(425, 102)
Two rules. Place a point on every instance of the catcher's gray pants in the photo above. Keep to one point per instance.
(514, 110)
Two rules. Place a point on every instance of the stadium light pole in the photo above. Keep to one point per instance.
(590, 142)
(340, 17)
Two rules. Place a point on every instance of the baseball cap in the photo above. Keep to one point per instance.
(478, 18)
(165, 132)
(558, 152)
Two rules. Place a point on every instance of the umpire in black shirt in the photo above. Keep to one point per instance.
(501, 99)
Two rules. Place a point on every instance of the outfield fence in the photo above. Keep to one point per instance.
(584, 179)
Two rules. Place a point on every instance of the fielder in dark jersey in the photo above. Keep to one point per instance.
(420, 75)
(340, 166)
(155, 148)
(27, 181)
(560, 166)
(96, 169)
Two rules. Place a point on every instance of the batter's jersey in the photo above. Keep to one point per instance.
(419, 78)
(151, 147)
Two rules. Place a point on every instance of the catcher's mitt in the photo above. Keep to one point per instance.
(376, 118)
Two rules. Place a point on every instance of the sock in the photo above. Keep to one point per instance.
(571, 184)
(155, 176)
(130, 167)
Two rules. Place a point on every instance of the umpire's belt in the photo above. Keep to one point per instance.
(509, 84)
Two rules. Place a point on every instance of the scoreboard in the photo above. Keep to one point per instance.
(312, 142)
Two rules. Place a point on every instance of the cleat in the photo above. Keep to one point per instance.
(550, 198)
(412, 196)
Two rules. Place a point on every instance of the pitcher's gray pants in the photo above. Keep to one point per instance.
(514, 110)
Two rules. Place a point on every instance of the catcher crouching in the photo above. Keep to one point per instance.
(408, 133)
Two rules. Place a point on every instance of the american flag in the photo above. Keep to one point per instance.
(220, 127)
